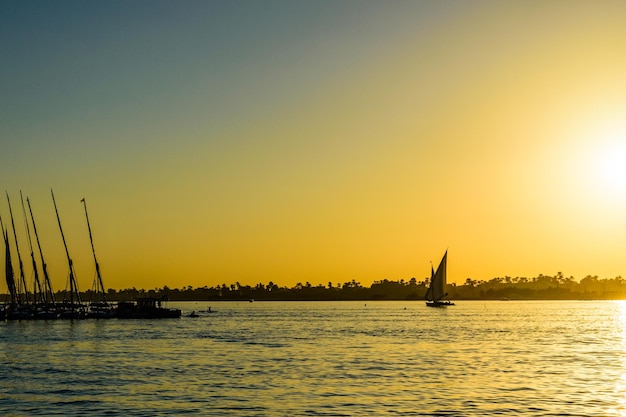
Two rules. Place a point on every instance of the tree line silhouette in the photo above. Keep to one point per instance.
(541, 287)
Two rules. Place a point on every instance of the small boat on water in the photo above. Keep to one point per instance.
(145, 308)
(192, 314)
(437, 289)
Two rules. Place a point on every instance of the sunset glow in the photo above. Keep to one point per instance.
(222, 142)
(610, 163)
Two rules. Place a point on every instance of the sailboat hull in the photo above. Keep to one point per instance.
(439, 303)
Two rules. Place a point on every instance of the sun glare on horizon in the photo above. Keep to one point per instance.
(610, 165)
(606, 164)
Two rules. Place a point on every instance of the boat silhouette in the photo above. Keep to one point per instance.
(43, 305)
(436, 291)
(145, 308)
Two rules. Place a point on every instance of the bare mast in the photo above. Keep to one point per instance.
(44, 267)
(73, 284)
(99, 284)
(22, 280)
(37, 282)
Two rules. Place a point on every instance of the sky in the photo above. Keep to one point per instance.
(315, 141)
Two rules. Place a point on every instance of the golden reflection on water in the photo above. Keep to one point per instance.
(620, 386)
(475, 359)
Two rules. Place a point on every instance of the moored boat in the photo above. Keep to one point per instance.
(101, 310)
(46, 308)
(145, 308)
(72, 310)
(43, 305)
(19, 312)
(99, 307)
(73, 307)
(46, 312)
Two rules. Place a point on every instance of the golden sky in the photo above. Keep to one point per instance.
(221, 142)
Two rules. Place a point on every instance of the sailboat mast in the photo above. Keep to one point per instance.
(44, 267)
(10, 277)
(437, 290)
(19, 256)
(36, 283)
(73, 285)
(93, 250)
(429, 293)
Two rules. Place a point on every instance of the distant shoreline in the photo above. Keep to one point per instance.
(542, 287)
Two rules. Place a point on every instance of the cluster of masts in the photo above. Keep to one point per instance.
(41, 302)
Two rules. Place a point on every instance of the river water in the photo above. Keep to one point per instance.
(478, 358)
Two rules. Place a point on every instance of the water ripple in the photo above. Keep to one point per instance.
(324, 359)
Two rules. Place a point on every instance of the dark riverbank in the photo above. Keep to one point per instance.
(542, 287)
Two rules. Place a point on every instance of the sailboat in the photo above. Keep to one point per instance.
(74, 308)
(48, 308)
(39, 296)
(98, 307)
(9, 274)
(15, 310)
(21, 284)
(436, 291)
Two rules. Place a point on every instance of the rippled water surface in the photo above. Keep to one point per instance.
(539, 358)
